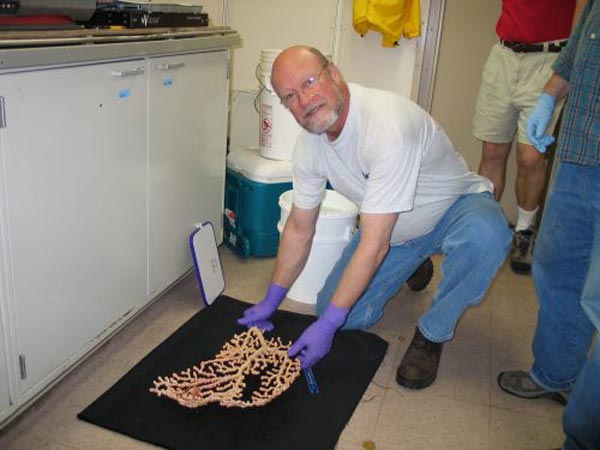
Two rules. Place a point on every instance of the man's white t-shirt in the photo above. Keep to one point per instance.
(390, 157)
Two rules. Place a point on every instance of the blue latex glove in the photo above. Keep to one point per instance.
(538, 122)
(257, 315)
(317, 339)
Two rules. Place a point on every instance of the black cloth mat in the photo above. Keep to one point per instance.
(294, 420)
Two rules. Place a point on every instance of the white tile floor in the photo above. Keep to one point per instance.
(463, 410)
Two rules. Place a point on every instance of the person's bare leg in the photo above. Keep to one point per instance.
(531, 174)
(493, 164)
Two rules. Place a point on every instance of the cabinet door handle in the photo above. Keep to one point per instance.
(2, 113)
(170, 66)
(129, 72)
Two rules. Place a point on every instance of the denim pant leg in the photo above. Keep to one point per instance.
(399, 264)
(581, 421)
(590, 298)
(582, 415)
(561, 263)
(474, 237)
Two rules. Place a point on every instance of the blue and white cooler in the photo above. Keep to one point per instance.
(253, 185)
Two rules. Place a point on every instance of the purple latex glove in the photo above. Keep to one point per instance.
(538, 122)
(257, 315)
(317, 339)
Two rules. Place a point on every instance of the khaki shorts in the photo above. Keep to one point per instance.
(510, 88)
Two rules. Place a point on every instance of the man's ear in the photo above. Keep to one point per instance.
(333, 71)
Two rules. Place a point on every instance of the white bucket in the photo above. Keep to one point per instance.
(335, 227)
(278, 129)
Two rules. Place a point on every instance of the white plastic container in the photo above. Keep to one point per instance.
(335, 228)
(278, 129)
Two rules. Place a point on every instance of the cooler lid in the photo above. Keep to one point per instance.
(207, 262)
(253, 166)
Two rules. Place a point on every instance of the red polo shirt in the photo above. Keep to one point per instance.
(532, 21)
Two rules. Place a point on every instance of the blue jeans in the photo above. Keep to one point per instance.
(566, 270)
(566, 267)
(474, 237)
(581, 421)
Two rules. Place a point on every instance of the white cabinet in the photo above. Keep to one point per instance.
(74, 153)
(105, 168)
(6, 402)
(187, 137)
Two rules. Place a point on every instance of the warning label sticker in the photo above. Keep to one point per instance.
(266, 125)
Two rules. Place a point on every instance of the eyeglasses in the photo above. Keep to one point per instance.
(309, 87)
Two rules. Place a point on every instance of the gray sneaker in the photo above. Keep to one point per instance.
(522, 249)
(519, 383)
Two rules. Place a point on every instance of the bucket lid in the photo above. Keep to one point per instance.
(253, 166)
(268, 55)
(207, 262)
(334, 205)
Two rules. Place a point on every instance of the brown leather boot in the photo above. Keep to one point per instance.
(419, 365)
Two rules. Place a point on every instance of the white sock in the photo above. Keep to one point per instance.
(525, 219)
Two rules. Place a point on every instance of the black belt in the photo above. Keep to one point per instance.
(520, 47)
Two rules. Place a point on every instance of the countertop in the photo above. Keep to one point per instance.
(22, 49)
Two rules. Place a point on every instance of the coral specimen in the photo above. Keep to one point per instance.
(224, 378)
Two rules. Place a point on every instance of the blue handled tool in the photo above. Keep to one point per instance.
(311, 380)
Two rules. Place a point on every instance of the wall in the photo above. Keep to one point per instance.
(269, 24)
(325, 24)
(468, 34)
(359, 56)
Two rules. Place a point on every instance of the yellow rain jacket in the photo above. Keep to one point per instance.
(392, 18)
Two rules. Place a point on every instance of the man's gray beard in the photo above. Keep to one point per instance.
(321, 126)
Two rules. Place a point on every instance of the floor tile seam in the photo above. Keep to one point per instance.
(390, 378)
(523, 412)
(355, 444)
(467, 402)
(428, 440)
(388, 387)
(373, 427)
(7, 437)
(413, 395)
(81, 426)
(490, 406)
(70, 446)
(50, 439)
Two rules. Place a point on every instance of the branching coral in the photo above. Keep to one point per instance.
(224, 378)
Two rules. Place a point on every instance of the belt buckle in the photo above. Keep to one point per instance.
(518, 47)
(556, 46)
